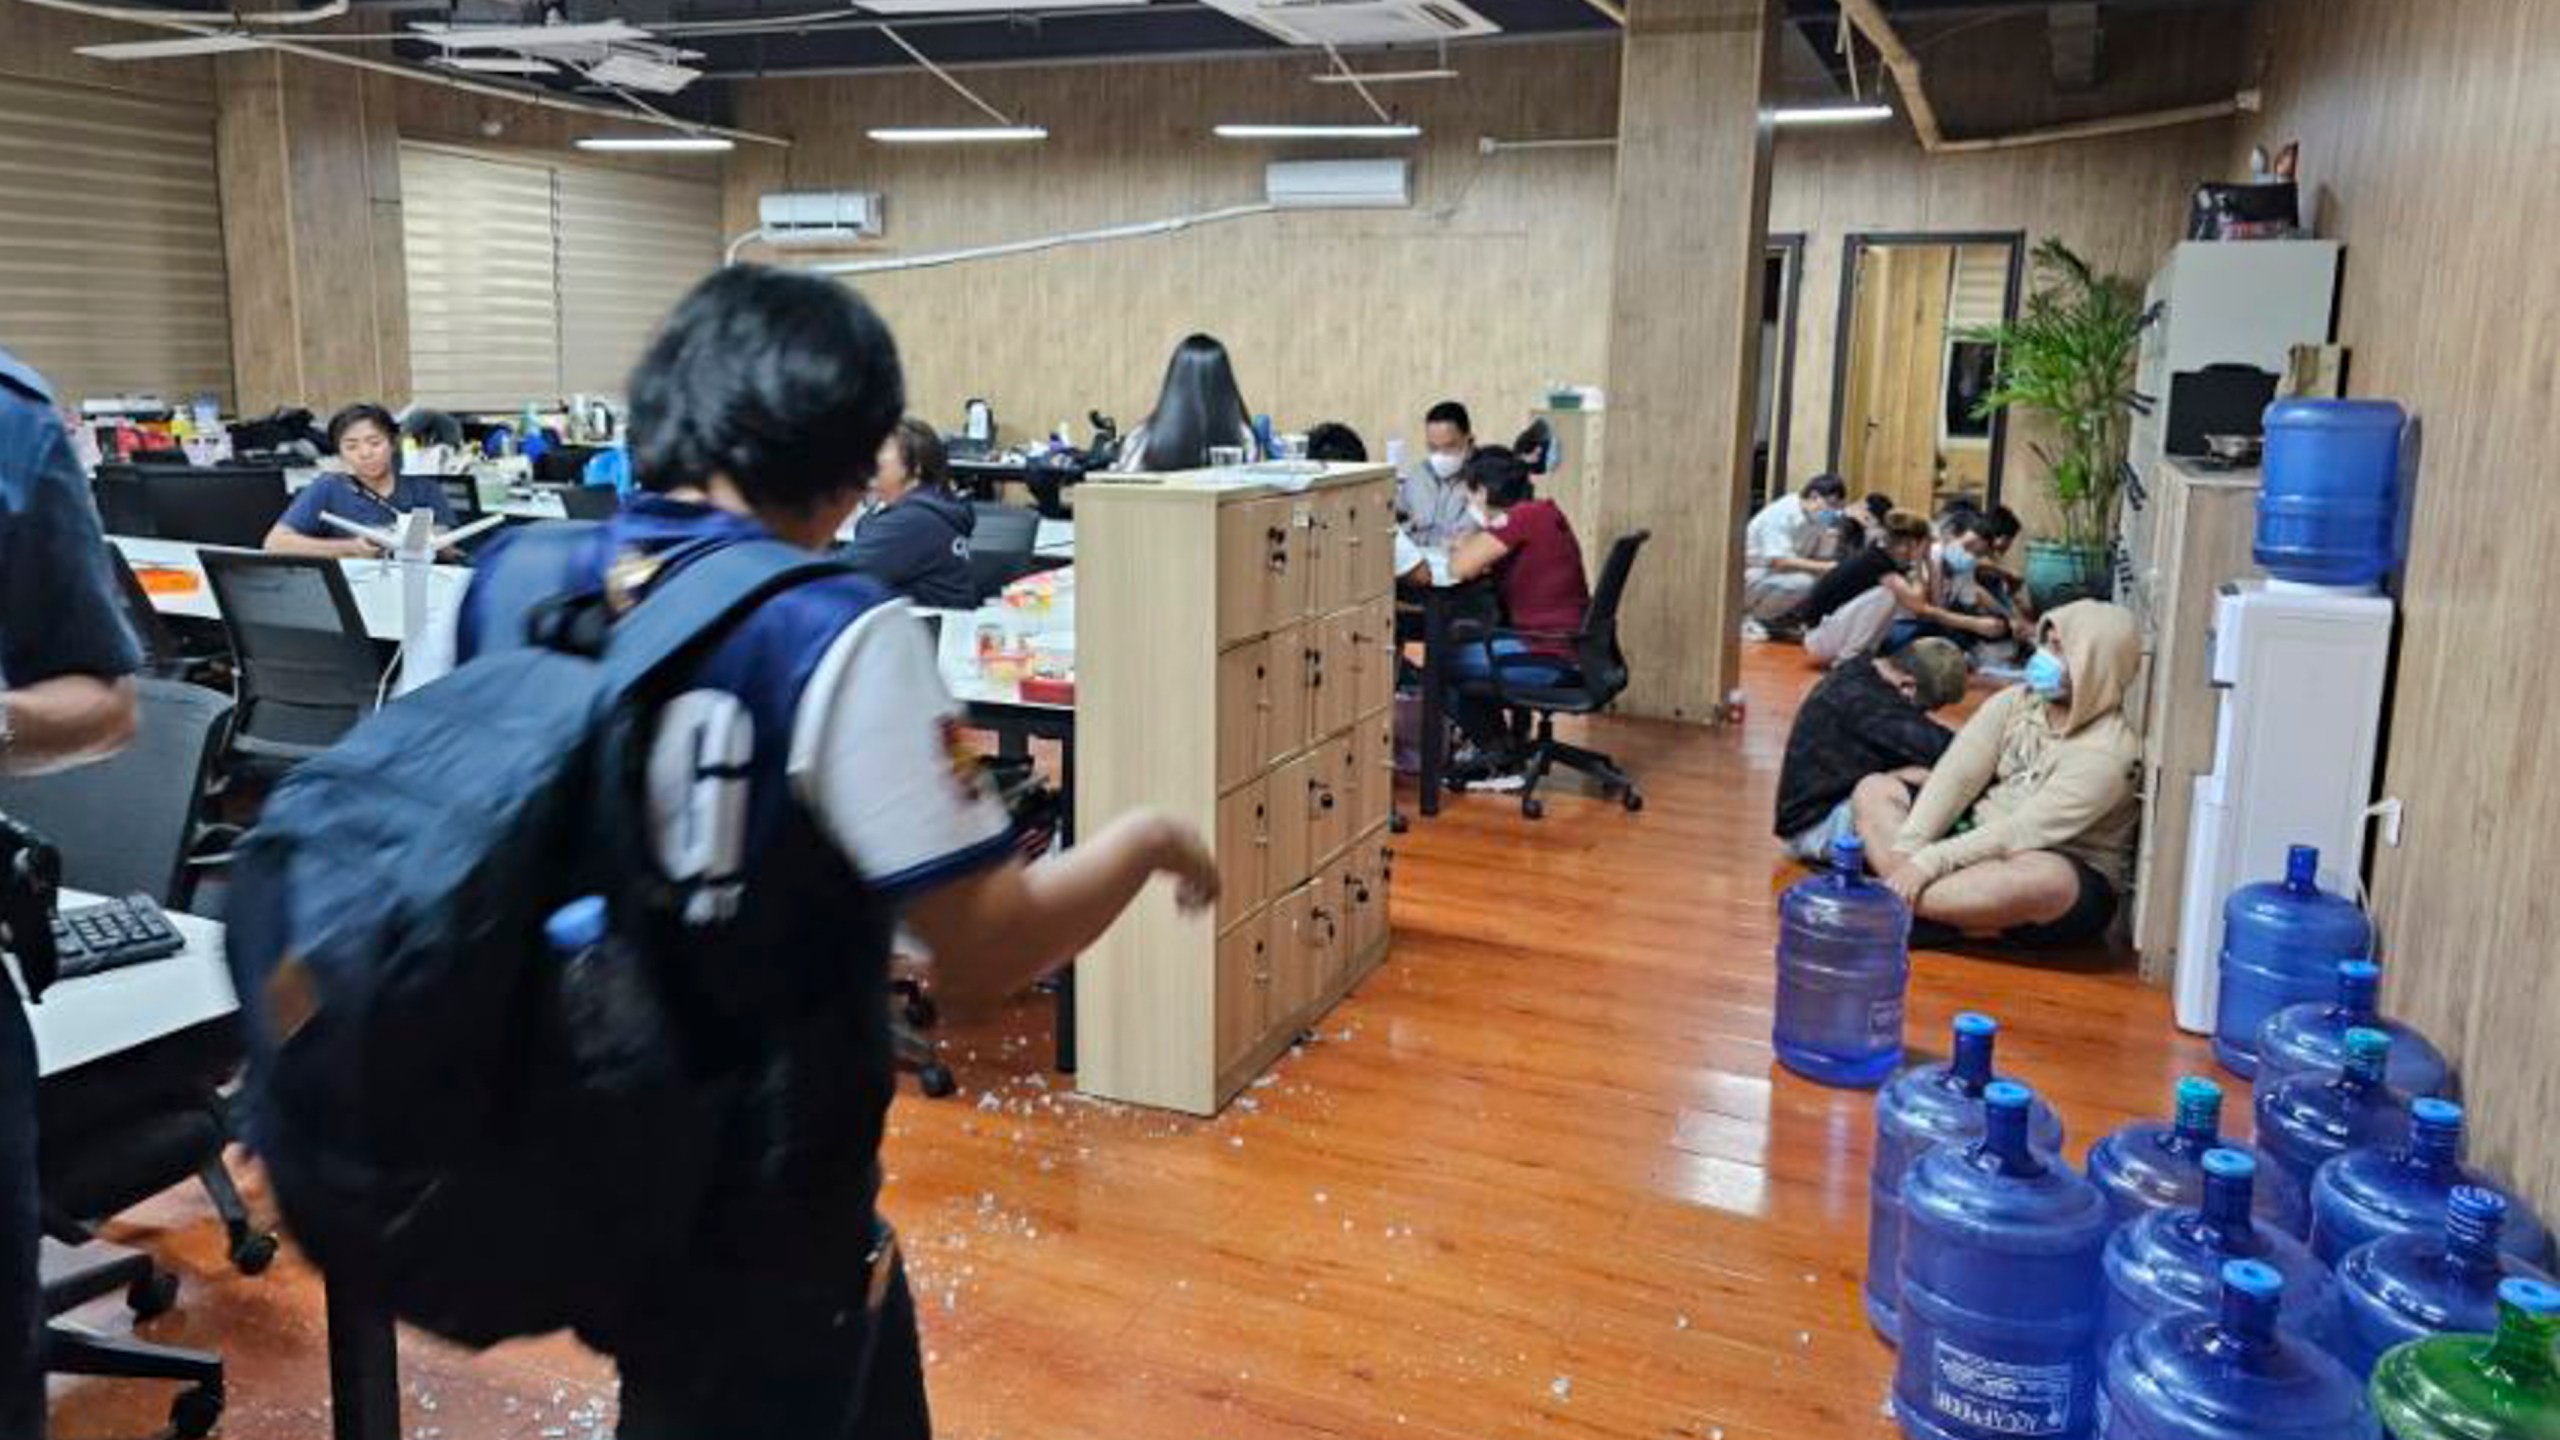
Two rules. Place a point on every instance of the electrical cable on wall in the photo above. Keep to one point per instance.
(893, 263)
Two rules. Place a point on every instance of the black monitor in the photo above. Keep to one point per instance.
(121, 507)
(221, 505)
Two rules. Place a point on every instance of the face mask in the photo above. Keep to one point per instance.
(1958, 560)
(2046, 677)
(1444, 464)
(1476, 513)
(1830, 519)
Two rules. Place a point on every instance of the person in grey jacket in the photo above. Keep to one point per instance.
(1431, 500)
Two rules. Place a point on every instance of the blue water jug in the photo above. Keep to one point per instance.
(2392, 1190)
(2281, 944)
(2313, 1036)
(1920, 1108)
(2329, 507)
(2150, 1166)
(2000, 1286)
(2170, 1262)
(2317, 1116)
(2412, 1285)
(1844, 960)
(2237, 1375)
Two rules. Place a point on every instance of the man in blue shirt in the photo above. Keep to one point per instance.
(805, 795)
(65, 696)
(371, 491)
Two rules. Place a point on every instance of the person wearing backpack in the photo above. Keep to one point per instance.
(799, 792)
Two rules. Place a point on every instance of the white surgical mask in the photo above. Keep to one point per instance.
(1444, 464)
(1476, 513)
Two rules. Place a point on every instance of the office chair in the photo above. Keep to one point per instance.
(162, 655)
(75, 1276)
(1598, 674)
(135, 823)
(307, 668)
(233, 506)
(1001, 547)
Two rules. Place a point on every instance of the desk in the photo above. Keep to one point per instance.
(1431, 609)
(375, 583)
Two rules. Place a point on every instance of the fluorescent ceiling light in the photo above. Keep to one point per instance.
(670, 143)
(1381, 77)
(170, 49)
(527, 37)
(1318, 132)
(956, 134)
(494, 64)
(1831, 114)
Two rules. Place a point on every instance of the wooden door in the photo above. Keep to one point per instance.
(1292, 804)
(1896, 380)
(1262, 566)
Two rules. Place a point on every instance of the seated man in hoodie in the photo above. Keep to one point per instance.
(2025, 827)
(916, 541)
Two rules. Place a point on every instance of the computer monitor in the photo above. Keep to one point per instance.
(121, 507)
(231, 505)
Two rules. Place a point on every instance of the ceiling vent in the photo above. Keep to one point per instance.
(1347, 23)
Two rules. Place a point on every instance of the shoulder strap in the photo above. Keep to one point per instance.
(703, 598)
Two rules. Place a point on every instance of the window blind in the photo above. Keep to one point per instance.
(484, 304)
(535, 280)
(1978, 293)
(631, 245)
(112, 276)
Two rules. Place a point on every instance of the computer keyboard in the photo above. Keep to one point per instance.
(110, 933)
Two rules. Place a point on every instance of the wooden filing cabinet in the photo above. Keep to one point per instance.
(1234, 668)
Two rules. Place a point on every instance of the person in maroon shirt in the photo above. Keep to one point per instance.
(1528, 546)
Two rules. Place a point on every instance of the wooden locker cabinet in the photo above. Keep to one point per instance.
(1234, 669)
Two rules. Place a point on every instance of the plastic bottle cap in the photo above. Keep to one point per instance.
(2197, 1090)
(2359, 970)
(2230, 1164)
(1974, 1023)
(2431, 1111)
(1849, 853)
(577, 925)
(2533, 1297)
(2007, 1095)
(2472, 1202)
(2254, 1278)
(2302, 867)
(2367, 1044)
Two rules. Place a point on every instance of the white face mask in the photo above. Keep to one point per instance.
(1444, 464)
(1476, 513)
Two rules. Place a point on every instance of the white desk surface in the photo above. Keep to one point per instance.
(957, 652)
(376, 584)
(116, 1010)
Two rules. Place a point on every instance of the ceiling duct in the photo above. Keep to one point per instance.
(2076, 39)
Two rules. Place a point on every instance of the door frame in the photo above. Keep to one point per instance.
(1791, 244)
(1853, 248)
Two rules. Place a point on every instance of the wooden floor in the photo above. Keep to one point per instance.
(1539, 1177)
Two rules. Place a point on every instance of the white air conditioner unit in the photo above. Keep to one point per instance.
(1360, 22)
(1339, 184)
(829, 217)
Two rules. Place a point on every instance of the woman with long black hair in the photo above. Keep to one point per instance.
(1199, 407)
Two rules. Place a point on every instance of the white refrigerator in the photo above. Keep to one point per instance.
(2299, 673)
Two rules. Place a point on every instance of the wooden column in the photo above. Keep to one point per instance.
(311, 227)
(1691, 218)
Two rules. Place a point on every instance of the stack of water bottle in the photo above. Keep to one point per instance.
(2181, 1283)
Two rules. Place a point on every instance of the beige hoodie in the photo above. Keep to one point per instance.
(2042, 777)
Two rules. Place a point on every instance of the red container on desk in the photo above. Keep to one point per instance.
(1043, 690)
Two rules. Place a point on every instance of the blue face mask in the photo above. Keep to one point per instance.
(1958, 560)
(2045, 675)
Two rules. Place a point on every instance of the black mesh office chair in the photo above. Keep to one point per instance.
(1002, 547)
(307, 666)
(135, 823)
(161, 654)
(1598, 674)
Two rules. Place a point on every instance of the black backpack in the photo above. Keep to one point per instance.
(436, 1120)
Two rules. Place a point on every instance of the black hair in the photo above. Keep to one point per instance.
(1536, 447)
(1827, 487)
(920, 450)
(1957, 524)
(1336, 441)
(1878, 505)
(363, 413)
(1500, 474)
(785, 383)
(1449, 412)
(433, 427)
(2003, 523)
(1197, 407)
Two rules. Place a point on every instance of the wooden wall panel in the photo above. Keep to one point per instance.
(1494, 284)
(2426, 134)
(1684, 337)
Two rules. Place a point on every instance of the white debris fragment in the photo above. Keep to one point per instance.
(1804, 1337)
(1562, 1389)
(1321, 1197)
(1265, 1082)
(990, 1102)
(1680, 1322)
(1236, 1141)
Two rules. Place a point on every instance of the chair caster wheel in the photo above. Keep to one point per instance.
(252, 1254)
(1534, 808)
(152, 1295)
(922, 1013)
(1632, 801)
(195, 1412)
(937, 1080)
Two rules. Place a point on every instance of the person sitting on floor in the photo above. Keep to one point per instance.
(1878, 589)
(1863, 719)
(917, 541)
(1528, 546)
(2024, 829)
(1950, 582)
(1778, 564)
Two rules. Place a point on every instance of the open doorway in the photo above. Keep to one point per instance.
(1905, 382)
(1774, 409)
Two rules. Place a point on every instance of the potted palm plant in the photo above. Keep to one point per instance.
(2068, 361)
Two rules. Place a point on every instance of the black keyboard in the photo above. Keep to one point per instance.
(112, 933)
